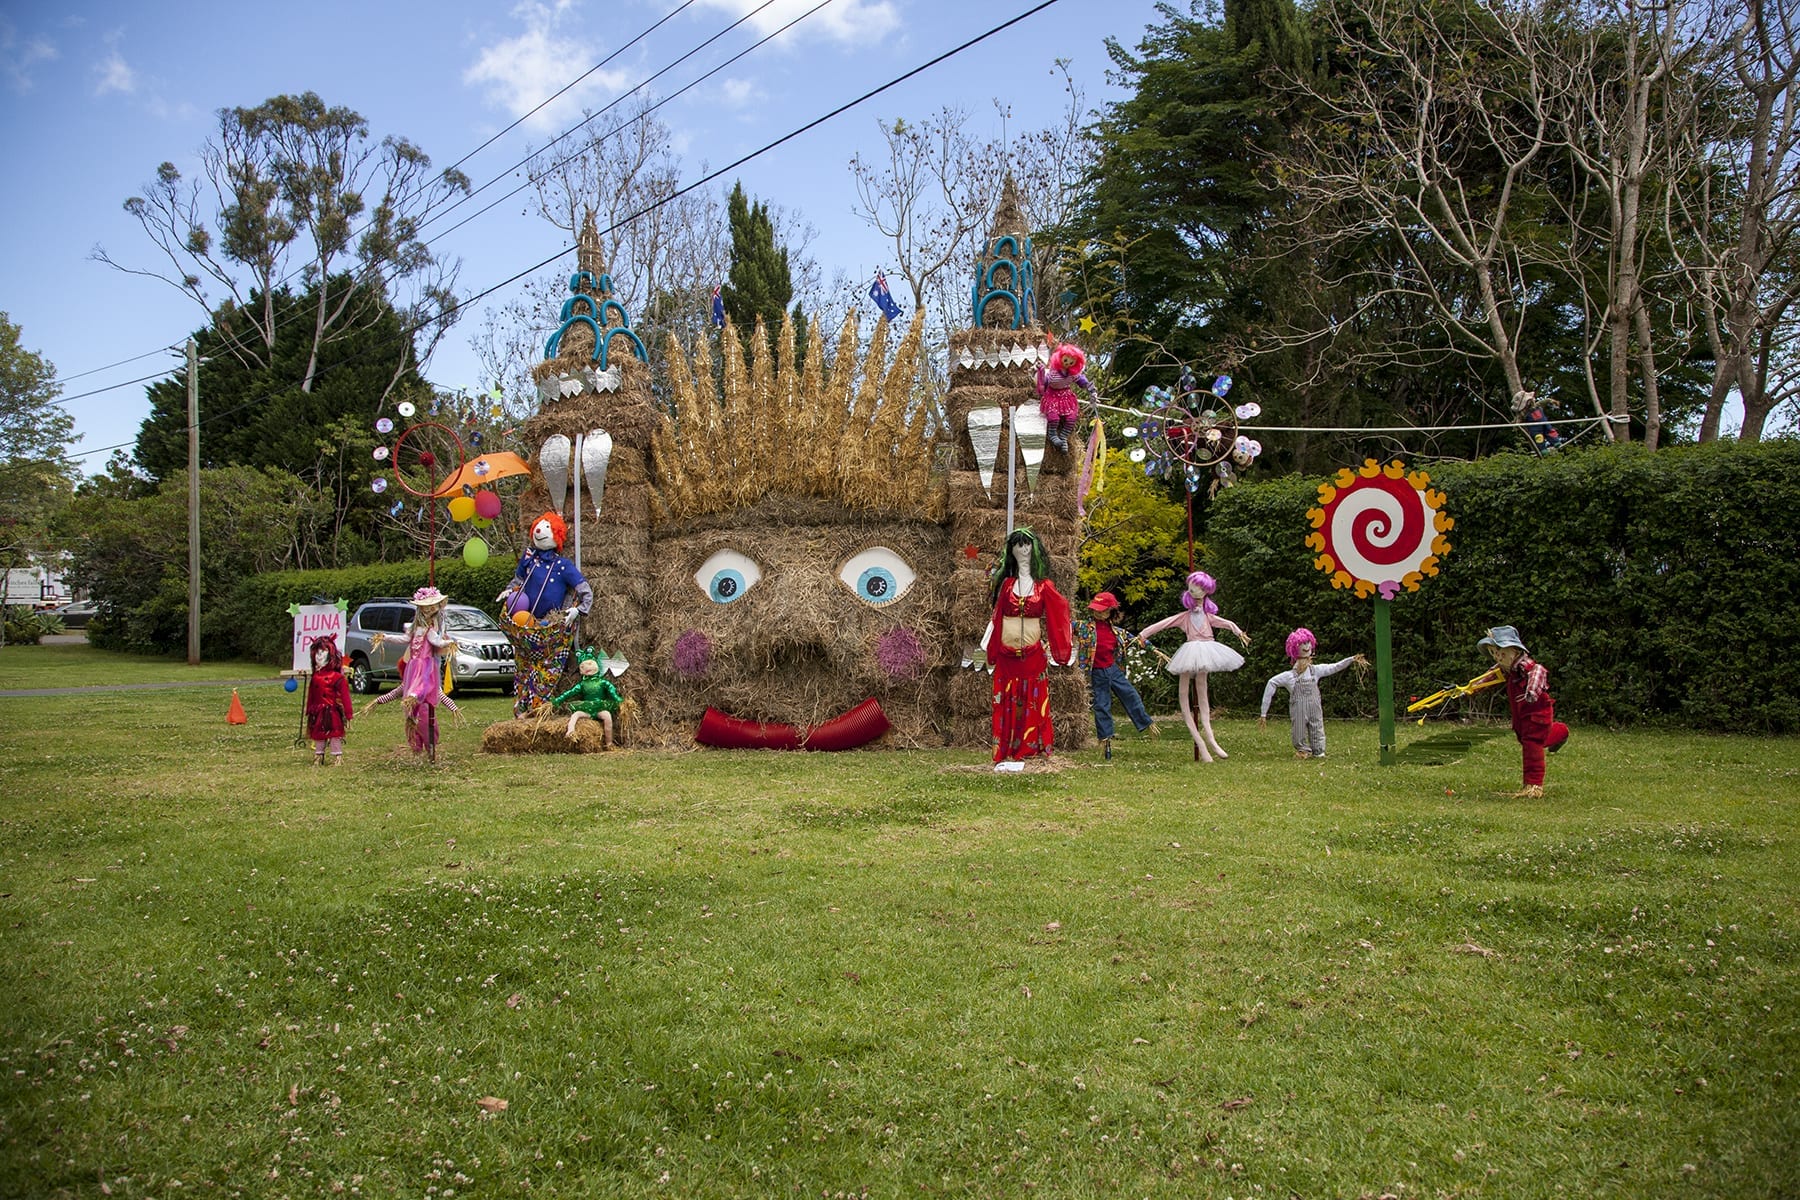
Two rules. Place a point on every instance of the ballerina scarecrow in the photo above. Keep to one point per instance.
(1200, 655)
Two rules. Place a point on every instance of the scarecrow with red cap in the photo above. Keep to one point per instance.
(1108, 678)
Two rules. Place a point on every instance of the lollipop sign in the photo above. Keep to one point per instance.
(1379, 529)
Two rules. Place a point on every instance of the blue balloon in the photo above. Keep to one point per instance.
(290, 684)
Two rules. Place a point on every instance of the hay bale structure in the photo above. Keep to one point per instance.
(752, 553)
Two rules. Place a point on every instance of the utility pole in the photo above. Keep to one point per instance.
(193, 382)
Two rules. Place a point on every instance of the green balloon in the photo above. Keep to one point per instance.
(475, 552)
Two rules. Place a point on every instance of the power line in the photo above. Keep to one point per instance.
(615, 102)
(731, 166)
(109, 366)
(299, 271)
(409, 331)
(113, 387)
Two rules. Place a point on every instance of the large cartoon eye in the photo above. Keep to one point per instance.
(727, 575)
(877, 575)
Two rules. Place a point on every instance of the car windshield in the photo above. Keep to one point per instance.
(468, 618)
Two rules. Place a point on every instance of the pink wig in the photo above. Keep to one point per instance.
(1068, 359)
(1301, 638)
(1207, 587)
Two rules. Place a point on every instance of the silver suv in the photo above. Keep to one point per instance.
(484, 658)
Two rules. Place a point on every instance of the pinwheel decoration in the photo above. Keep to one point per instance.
(423, 459)
(1187, 432)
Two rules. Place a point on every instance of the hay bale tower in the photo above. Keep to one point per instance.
(595, 380)
(992, 374)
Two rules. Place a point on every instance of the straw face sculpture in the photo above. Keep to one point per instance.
(788, 545)
(800, 556)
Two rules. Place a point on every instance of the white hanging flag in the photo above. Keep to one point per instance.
(1030, 427)
(596, 452)
(553, 461)
(984, 435)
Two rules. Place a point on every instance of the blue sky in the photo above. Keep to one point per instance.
(93, 96)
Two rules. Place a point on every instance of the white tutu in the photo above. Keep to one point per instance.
(1204, 656)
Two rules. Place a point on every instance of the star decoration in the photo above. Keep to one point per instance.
(1087, 325)
(971, 551)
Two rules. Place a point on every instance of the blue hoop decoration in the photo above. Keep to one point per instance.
(569, 323)
(602, 339)
(637, 343)
(601, 284)
(1017, 260)
(595, 309)
(598, 311)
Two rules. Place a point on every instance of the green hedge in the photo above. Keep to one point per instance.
(1653, 586)
(253, 621)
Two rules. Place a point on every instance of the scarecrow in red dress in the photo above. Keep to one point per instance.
(328, 704)
(1029, 615)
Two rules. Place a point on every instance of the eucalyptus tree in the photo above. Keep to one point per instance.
(294, 196)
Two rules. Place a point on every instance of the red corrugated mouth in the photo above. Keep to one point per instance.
(846, 731)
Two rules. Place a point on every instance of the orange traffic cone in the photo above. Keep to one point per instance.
(235, 714)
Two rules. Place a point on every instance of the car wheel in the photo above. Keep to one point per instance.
(362, 680)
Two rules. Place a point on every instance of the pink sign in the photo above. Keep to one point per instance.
(312, 621)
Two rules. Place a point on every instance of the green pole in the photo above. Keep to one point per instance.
(1384, 679)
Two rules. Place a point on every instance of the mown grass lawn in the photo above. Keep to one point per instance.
(721, 974)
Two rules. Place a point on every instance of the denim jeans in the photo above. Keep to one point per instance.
(1110, 681)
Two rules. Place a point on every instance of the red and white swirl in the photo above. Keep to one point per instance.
(1379, 530)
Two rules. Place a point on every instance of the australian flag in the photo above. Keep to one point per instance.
(718, 308)
(878, 292)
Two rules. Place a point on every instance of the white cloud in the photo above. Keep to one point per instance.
(19, 55)
(848, 21)
(521, 72)
(740, 93)
(114, 75)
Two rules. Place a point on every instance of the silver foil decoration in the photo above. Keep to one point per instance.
(553, 461)
(1030, 427)
(596, 452)
(984, 435)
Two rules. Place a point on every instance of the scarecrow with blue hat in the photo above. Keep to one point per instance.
(1534, 720)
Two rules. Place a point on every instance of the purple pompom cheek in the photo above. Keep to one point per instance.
(693, 654)
(900, 653)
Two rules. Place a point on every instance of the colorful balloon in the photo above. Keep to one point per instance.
(475, 552)
(462, 508)
(487, 504)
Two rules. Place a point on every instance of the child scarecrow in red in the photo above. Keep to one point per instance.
(328, 704)
(1534, 720)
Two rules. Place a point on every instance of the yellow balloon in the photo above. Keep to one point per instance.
(462, 508)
